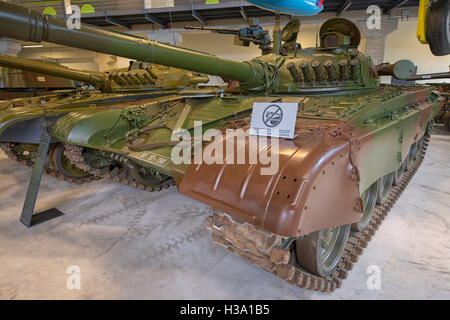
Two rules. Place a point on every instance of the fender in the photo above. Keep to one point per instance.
(101, 126)
(316, 164)
(22, 125)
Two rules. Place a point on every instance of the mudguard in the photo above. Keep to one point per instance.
(316, 164)
(322, 171)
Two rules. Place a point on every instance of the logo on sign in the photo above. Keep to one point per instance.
(272, 116)
(274, 119)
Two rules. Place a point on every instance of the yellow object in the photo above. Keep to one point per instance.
(50, 11)
(87, 8)
(422, 21)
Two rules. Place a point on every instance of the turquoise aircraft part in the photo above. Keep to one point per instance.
(292, 7)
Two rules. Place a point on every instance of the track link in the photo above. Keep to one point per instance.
(75, 155)
(7, 149)
(267, 250)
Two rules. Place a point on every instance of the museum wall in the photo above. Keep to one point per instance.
(403, 44)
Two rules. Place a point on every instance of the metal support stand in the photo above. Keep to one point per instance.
(27, 217)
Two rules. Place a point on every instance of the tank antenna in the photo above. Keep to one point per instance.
(277, 34)
(317, 35)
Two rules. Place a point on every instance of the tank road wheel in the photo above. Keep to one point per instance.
(438, 27)
(411, 156)
(25, 151)
(398, 175)
(147, 177)
(384, 187)
(369, 198)
(64, 165)
(320, 251)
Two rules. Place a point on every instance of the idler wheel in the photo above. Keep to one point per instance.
(384, 187)
(369, 198)
(320, 251)
(411, 156)
(398, 175)
(63, 164)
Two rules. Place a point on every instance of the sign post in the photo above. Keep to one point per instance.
(27, 217)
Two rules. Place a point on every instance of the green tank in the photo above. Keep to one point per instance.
(443, 117)
(22, 120)
(356, 143)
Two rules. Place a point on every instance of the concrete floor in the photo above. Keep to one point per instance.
(131, 244)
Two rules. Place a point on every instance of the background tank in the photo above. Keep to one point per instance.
(356, 146)
(21, 120)
(16, 83)
(138, 76)
(443, 117)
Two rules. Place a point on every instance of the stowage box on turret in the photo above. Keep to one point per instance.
(356, 144)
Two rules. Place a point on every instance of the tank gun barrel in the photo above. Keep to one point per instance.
(50, 69)
(28, 25)
(404, 70)
(215, 30)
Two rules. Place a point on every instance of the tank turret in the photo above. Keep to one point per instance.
(336, 66)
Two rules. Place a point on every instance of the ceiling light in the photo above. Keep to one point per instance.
(33, 46)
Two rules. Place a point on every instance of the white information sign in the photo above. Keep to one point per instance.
(274, 119)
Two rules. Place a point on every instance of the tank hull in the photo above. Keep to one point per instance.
(24, 121)
(340, 153)
(356, 145)
(336, 155)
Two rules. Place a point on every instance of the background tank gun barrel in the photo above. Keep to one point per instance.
(439, 75)
(215, 30)
(28, 25)
(254, 33)
(109, 81)
(402, 69)
(50, 69)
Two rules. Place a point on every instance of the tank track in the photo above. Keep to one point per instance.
(266, 250)
(7, 149)
(75, 155)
